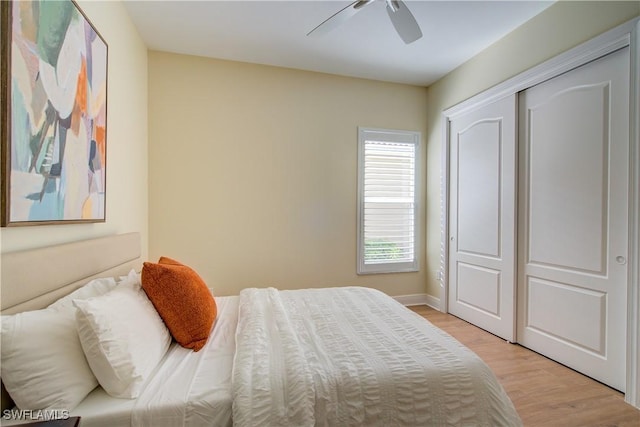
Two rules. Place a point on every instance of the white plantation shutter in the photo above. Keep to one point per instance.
(387, 238)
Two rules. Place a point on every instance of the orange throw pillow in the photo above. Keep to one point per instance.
(182, 299)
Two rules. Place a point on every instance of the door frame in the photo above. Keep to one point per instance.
(627, 34)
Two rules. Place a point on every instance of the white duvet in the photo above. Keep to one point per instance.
(355, 357)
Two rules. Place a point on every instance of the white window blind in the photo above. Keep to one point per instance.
(387, 236)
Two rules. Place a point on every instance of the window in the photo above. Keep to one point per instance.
(387, 200)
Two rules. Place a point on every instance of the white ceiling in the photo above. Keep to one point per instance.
(274, 33)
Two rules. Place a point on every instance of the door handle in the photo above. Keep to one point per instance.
(621, 260)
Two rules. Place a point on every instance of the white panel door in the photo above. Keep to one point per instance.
(574, 164)
(482, 217)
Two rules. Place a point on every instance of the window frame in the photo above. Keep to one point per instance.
(395, 136)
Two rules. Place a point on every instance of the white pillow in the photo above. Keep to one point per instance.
(43, 365)
(94, 288)
(131, 278)
(122, 336)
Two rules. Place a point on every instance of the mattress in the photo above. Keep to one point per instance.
(187, 388)
(354, 356)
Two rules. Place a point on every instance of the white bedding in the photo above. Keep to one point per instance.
(354, 356)
(188, 388)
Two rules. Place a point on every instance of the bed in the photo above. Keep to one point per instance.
(325, 357)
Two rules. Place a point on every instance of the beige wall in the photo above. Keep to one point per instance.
(252, 171)
(557, 29)
(127, 198)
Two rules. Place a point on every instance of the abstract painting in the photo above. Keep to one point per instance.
(54, 115)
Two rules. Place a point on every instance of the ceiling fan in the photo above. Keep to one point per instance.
(401, 18)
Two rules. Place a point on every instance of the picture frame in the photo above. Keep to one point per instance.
(53, 118)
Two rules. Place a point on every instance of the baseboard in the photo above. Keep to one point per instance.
(419, 299)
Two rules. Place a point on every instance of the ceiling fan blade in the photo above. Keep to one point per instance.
(403, 21)
(339, 17)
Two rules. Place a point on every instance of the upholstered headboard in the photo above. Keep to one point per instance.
(35, 278)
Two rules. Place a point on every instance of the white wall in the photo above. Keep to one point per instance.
(253, 171)
(127, 180)
(557, 29)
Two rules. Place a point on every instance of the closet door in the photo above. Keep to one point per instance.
(574, 163)
(482, 217)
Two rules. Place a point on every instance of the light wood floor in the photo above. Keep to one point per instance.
(545, 393)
